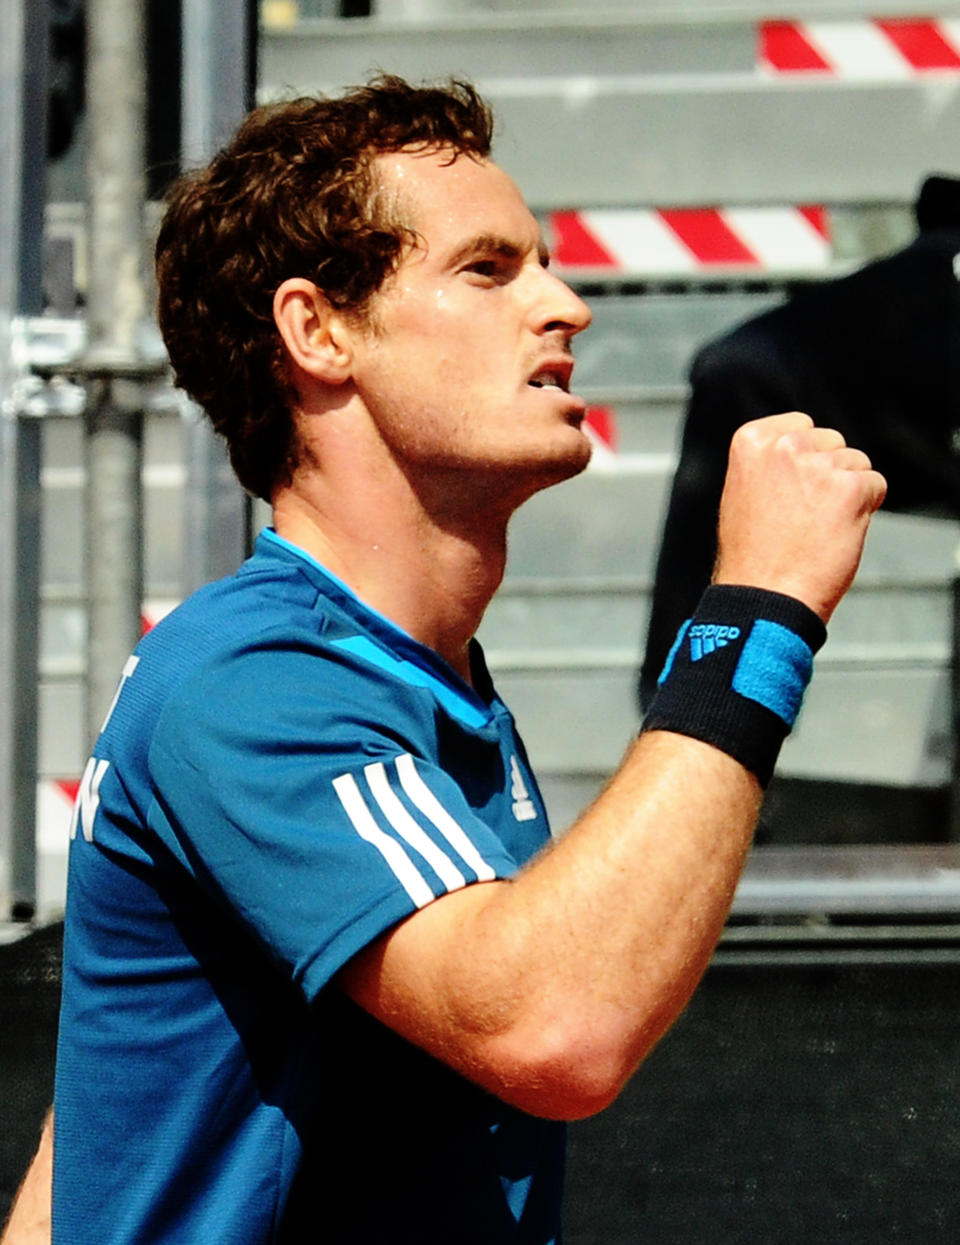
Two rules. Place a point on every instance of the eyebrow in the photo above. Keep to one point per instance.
(494, 244)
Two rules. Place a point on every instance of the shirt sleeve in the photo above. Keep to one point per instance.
(306, 800)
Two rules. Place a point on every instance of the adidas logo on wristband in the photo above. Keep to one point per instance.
(706, 638)
(745, 711)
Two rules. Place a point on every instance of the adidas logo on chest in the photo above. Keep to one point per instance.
(523, 807)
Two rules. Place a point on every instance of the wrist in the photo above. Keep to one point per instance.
(736, 674)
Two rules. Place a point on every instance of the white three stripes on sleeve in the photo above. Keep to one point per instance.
(409, 830)
(363, 822)
(430, 806)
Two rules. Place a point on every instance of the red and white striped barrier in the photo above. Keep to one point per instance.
(682, 241)
(152, 611)
(878, 48)
(55, 797)
(600, 423)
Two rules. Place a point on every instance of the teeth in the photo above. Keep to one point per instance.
(546, 381)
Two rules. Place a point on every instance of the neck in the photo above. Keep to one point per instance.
(432, 578)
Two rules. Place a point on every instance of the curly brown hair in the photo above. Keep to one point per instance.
(292, 195)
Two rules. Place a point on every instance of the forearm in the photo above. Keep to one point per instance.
(625, 912)
(551, 988)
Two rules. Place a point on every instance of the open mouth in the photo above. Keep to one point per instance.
(550, 379)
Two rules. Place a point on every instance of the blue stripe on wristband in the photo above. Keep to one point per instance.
(674, 649)
(774, 669)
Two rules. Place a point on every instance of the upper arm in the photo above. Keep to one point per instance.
(430, 981)
(313, 824)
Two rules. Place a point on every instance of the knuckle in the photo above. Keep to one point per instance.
(748, 432)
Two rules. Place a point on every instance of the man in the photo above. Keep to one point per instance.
(325, 975)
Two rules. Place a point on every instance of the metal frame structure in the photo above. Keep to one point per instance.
(219, 77)
(116, 365)
(694, 120)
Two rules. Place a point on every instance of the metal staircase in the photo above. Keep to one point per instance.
(636, 110)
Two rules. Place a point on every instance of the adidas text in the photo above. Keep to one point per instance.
(707, 637)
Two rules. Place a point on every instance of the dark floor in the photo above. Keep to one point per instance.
(29, 1003)
(789, 1106)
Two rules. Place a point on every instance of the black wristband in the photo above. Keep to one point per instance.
(736, 674)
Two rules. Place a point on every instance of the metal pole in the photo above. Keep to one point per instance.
(953, 830)
(219, 78)
(219, 73)
(23, 58)
(116, 122)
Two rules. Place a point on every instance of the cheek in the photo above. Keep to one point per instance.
(442, 351)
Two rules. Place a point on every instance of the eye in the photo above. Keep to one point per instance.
(490, 268)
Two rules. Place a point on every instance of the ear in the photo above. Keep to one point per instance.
(317, 338)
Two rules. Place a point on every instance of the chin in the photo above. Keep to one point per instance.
(577, 457)
(550, 471)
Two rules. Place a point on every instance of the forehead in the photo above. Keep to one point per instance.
(446, 200)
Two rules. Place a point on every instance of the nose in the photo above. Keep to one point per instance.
(560, 308)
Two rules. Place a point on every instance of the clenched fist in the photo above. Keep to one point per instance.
(795, 510)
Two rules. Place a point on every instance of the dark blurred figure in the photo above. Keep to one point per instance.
(875, 354)
(65, 86)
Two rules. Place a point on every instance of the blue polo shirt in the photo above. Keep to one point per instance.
(283, 776)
